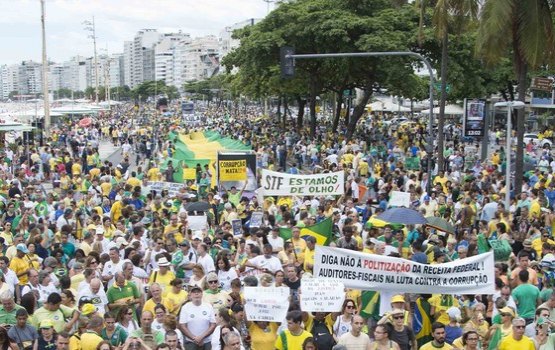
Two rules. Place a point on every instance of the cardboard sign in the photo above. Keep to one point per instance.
(399, 199)
(197, 222)
(266, 303)
(321, 295)
(256, 219)
(233, 170)
(237, 227)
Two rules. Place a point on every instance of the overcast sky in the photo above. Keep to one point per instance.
(116, 21)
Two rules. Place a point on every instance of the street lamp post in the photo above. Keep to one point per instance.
(91, 27)
(45, 95)
(510, 105)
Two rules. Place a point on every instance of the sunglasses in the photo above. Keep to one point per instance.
(212, 282)
(398, 317)
(350, 307)
(94, 262)
(520, 327)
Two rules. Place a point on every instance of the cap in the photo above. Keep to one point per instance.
(184, 243)
(228, 206)
(198, 235)
(527, 242)
(50, 262)
(454, 313)
(507, 310)
(117, 233)
(195, 288)
(398, 299)
(397, 311)
(121, 241)
(46, 324)
(217, 197)
(163, 261)
(88, 309)
(22, 248)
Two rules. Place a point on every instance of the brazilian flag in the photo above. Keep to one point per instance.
(422, 322)
(322, 231)
(370, 304)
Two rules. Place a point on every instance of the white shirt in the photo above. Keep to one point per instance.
(110, 269)
(207, 263)
(273, 264)
(100, 300)
(11, 279)
(225, 278)
(277, 243)
(197, 318)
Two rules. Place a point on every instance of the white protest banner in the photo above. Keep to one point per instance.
(266, 303)
(173, 188)
(399, 199)
(282, 184)
(474, 275)
(321, 295)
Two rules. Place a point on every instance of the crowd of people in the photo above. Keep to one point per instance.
(92, 258)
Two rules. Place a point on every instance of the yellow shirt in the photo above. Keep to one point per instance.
(90, 340)
(308, 259)
(153, 174)
(263, 339)
(133, 181)
(293, 342)
(176, 300)
(509, 343)
(430, 346)
(106, 187)
(19, 265)
(299, 245)
(162, 280)
(442, 307)
(151, 304)
(94, 172)
(76, 169)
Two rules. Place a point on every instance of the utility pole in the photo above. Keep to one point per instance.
(46, 97)
(91, 27)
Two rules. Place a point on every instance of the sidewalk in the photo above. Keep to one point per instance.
(106, 149)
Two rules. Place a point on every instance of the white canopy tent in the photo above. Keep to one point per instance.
(386, 106)
(449, 110)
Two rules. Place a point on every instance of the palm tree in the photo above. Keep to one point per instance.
(524, 27)
(449, 15)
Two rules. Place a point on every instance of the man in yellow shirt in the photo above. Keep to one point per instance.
(438, 333)
(91, 338)
(21, 264)
(157, 298)
(517, 339)
(153, 174)
(294, 336)
(309, 254)
(133, 181)
(299, 244)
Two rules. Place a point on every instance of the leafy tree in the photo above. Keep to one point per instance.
(522, 29)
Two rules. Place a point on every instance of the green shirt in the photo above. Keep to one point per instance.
(127, 293)
(9, 317)
(57, 317)
(118, 337)
(156, 336)
(525, 297)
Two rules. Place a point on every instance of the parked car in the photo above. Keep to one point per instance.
(544, 143)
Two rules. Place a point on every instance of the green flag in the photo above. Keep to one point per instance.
(322, 231)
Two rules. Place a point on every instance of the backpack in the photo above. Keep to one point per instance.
(322, 336)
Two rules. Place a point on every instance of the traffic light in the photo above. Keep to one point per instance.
(287, 64)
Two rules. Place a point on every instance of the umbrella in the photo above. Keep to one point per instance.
(85, 122)
(402, 216)
(198, 206)
(440, 224)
